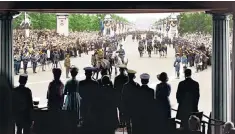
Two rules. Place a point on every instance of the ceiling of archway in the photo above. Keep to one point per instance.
(117, 6)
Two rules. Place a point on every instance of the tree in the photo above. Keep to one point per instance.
(77, 22)
(197, 22)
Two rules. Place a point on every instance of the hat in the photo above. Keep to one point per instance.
(56, 70)
(89, 69)
(144, 76)
(25, 76)
(123, 66)
(74, 68)
(129, 71)
(162, 77)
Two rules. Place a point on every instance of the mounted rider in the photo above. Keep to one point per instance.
(121, 53)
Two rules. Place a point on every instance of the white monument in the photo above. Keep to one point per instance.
(25, 24)
(62, 20)
(108, 21)
(173, 26)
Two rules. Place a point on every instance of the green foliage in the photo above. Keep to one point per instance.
(197, 22)
(77, 22)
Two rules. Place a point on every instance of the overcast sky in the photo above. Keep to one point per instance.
(143, 21)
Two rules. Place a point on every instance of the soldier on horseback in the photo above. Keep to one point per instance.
(121, 53)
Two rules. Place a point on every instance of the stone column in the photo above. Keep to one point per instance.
(220, 68)
(232, 92)
(6, 72)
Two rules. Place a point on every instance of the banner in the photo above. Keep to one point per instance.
(101, 26)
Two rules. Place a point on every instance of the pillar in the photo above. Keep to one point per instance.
(232, 92)
(6, 72)
(220, 68)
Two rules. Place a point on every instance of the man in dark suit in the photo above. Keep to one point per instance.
(187, 97)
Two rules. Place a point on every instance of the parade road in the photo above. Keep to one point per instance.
(39, 82)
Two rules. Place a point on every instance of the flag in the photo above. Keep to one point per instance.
(101, 26)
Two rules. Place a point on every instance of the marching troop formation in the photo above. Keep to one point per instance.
(189, 52)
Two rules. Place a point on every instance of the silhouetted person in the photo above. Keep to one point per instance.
(55, 91)
(72, 101)
(229, 128)
(108, 104)
(187, 97)
(119, 81)
(22, 106)
(163, 106)
(88, 90)
(103, 73)
(146, 106)
(129, 98)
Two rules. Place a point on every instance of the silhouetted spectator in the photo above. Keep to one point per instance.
(55, 95)
(108, 119)
(23, 106)
(163, 106)
(228, 128)
(187, 97)
(146, 106)
(119, 81)
(129, 100)
(103, 73)
(88, 90)
(71, 90)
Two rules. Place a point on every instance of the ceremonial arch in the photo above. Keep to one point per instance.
(220, 48)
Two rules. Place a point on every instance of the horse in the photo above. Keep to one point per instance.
(99, 65)
(118, 61)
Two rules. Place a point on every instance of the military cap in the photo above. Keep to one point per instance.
(144, 76)
(129, 71)
(122, 66)
(89, 69)
(24, 76)
(56, 70)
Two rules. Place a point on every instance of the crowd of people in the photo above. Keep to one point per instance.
(46, 46)
(102, 105)
(101, 98)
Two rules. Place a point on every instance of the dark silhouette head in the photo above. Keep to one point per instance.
(131, 74)
(105, 80)
(144, 78)
(122, 68)
(187, 73)
(163, 77)
(88, 71)
(104, 72)
(74, 72)
(23, 79)
(57, 73)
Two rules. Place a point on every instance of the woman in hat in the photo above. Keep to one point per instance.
(108, 104)
(72, 100)
(162, 94)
